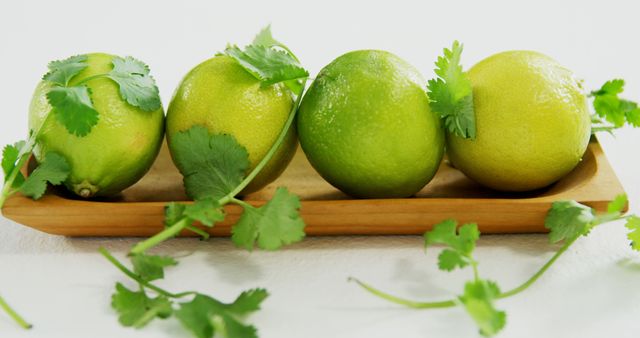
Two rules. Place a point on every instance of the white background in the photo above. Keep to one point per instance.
(63, 286)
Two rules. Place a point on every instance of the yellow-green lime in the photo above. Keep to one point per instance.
(532, 122)
(222, 96)
(366, 126)
(120, 148)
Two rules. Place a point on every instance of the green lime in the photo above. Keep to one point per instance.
(222, 96)
(117, 152)
(366, 127)
(532, 122)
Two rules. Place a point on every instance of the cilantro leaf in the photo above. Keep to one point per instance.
(54, 169)
(478, 301)
(173, 212)
(451, 94)
(10, 156)
(268, 65)
(449, 259)
(150, 267)
(618, 204)
(265, 38)
(273, 225)
(633, 224)
(461, 244)
(205, 316)
(212, 165)
(612, 108)
(568, 220)
(137, 87)
(206, 211)
(62, 71)
(248, 301)
(73, 108)
(136, 309)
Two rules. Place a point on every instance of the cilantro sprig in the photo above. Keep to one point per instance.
(202, 315)
(451, 94)
(270, 61)
(566, 221)
(214, 169)
(611, 111)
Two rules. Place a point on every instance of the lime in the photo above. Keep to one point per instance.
(366, 127)
(222, 96)
(532, 123)
(117, 152)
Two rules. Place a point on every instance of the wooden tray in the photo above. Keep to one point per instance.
(138, 211)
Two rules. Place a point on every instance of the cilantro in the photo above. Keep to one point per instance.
(136, 309)
(461, 245)
(265, 38)
(73, 108)
(633, 224)
(478, 300)
(54, 169)
(62, 71)
(566, 220)
(618, 204)
(273, 225)
(451, 94)
(73, 105)
(204, 316)
(206, 211)
(14, 315)
(212, 165)
(137, 87)
(614, 110)
(151, 268)
(268, 65)
(10, 156)
(173, 213)
(248, 301)
(270, 61)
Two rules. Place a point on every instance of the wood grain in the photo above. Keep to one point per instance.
(138, 211)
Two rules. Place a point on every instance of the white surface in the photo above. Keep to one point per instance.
(63, 286)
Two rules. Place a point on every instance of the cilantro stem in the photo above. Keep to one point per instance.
(205, 235)
(139, 279)
(8, 183)
(14, 315)
(271, 152)
(540, 272)
(87, 79)
(241, 203)
(160, 237)
(402, 301)
(474, 265)
(147, 317)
